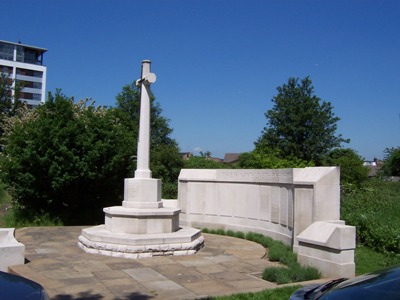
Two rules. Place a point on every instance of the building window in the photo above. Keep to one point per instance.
(30, 73)
(30, 84)
(37, 97)
(6, 51)
(20, 54)
(6, 69)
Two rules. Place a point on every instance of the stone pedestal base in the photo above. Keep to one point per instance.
(119, 219)
(141, 227)
(99, 240)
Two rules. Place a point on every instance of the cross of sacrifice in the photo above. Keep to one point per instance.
(143, 152)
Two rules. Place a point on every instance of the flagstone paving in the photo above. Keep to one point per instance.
(226, 265)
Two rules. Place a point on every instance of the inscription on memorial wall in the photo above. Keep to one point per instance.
(273, 176)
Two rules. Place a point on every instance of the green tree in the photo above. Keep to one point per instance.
(270, 159)
(67, 160)
(203, 162)
(300, 124)
(165, 160)
(8, 103)
(392, 162)
(352, 170)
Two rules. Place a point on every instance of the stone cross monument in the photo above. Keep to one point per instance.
(143, 154)
(143, 191)
(142, 226)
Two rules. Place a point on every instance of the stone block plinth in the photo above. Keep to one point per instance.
(142, 193)
(120, 219)
(328, 246)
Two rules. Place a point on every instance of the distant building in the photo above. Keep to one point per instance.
(24, 64)
(373, 166)
(231, 158)
(186, 155)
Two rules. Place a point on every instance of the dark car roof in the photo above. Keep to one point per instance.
(383, 284)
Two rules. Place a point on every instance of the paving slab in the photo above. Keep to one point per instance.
(226, 265)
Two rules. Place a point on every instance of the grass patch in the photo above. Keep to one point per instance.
(271, 294)
(16, 219)
(369, 260)
(279, 252)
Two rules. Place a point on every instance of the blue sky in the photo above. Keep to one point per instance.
(218, 62)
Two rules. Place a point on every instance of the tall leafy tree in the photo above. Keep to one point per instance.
(392, 162)
(165, 160)
(66, 159)
(8, 103)
(300, 124)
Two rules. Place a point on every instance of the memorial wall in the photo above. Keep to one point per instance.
(299, 206)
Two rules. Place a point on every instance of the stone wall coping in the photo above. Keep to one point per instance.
(302, 176)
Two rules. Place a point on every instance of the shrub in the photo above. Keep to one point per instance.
(269, 159)
(374, 210)
(67, 160)
(220, 232)
(280, 275)
(265, 241)
(294, 273)
(352, 170)
(230, 233)
(280, 252)
(239, 235)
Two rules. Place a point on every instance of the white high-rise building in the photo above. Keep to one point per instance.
(24, 64)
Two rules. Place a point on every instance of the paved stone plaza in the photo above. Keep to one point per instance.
(225, 265)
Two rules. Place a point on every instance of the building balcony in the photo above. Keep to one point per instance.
(31, 90)
(29, 78)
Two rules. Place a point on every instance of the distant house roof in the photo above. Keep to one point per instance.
(216, 159)
(373, 166)
(186, 155)
(231, 157)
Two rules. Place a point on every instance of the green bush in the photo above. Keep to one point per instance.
(269, 159)
(220, 232)
(66, 160)
(230, 233)
(300, 273)
(240, 235)
(352, 170)
(280, 275)
(278, 251)
(293, 273)
(265, 241)
(375, 210)
(198, 162)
